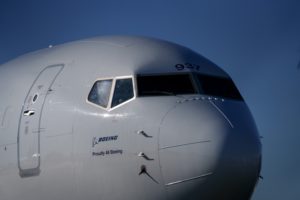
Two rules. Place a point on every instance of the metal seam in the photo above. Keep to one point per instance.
(189, 179)
(222, 113)
(167, 147)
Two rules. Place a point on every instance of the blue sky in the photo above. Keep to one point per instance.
(257, 42)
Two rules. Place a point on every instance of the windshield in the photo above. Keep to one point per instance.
(180, 84)
(218, 86)
(163, 85)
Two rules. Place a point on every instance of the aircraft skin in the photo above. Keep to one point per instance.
(57, 143)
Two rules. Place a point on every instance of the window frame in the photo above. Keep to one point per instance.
(111, 94)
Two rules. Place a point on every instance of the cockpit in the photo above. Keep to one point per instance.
(109, 93)
(184, 84)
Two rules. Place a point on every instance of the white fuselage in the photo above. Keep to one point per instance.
(60, 139)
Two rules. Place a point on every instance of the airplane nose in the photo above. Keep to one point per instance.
(209, 152)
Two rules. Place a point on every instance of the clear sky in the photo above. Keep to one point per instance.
(257, 42)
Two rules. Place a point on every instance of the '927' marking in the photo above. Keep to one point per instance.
(189, 66)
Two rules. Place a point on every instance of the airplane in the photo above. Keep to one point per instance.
(124, 117)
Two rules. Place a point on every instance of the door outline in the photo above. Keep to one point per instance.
(36, 170)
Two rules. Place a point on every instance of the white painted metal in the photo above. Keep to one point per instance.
(29, 128)
(164, 147)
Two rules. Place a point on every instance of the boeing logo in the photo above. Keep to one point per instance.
(97, 140)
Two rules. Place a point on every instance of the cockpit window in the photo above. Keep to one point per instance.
(109, 93)
(218, 86)
(163, 85)
(100, 93)
(123, 91)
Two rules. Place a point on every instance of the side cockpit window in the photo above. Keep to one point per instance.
(100, 93)
(123, 91)
(109, 93)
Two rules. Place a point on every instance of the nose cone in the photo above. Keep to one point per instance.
(209, 150)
